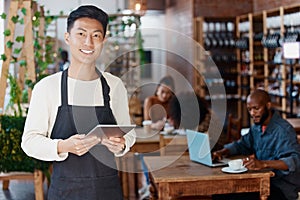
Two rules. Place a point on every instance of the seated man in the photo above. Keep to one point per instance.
(270, 144)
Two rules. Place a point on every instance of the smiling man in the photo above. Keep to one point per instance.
(67, 105)
(270, 144)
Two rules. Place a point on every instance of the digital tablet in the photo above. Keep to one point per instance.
(109, 130)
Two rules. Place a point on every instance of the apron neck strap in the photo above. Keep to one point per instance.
(64, 88)
(105, 88)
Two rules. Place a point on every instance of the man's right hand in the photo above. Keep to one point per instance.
(218, 155)
(77, 144)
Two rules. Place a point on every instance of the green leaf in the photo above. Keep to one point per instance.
(7, 32)
(3, 16)
(36, 22)
(15, 19)
(37, 14)
(14, 59)
(23, 10)
(49, 47)
(36, 44)
(9, 44)
(3, 57)
(20, 39)
(21, 21)
(23, 63)
(17, 50)
(37, 54)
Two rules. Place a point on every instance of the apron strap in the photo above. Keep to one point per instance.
(64, 88)
(105, 88)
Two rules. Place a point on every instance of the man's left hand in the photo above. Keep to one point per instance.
(114, 144)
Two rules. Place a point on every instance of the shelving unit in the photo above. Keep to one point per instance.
(216, 54)
(275, 71)
(260, 61)
(243, 52)
(123, 53)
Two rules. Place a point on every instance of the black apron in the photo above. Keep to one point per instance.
(94, 175)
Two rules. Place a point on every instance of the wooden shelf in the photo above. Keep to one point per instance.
(258, 23)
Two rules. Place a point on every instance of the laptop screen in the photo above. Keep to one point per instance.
(199, 147)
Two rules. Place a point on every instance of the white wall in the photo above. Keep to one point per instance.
(153, 33)
(152, 29)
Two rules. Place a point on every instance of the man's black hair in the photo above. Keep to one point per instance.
(89, 11)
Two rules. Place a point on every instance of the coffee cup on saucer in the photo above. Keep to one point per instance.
(236, 164)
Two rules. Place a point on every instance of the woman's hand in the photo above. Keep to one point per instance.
(159, 125)
(77, 144)
(114, 144)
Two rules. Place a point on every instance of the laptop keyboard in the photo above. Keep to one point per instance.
(217, 162)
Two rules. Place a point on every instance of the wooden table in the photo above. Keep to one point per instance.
(146, 142)
(186, 178)
(173, 145)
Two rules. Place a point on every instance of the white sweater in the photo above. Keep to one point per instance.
(44, 103)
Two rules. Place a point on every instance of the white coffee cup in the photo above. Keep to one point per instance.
(168, 128)
(236, 164)
(147, 126)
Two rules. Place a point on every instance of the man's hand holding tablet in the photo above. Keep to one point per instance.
(107, 130)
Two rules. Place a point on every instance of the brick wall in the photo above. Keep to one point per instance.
(221, 8)
(259, 5)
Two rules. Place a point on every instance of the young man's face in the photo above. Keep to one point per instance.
(85, 40)
(258, 110)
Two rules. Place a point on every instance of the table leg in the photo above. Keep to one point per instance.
(153, 190)
(38, 185)
(5, 184)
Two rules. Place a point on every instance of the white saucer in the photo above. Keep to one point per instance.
(228, 170)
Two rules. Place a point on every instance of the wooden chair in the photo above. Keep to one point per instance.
(173, 145)
(37, 176)
(234, 128)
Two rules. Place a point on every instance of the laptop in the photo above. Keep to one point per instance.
(200, 151)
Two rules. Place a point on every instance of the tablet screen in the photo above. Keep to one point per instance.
(108, 130)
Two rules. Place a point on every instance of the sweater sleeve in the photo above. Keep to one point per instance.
(36, 140)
